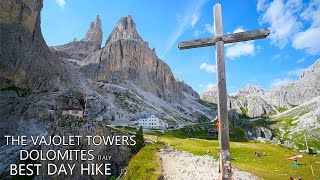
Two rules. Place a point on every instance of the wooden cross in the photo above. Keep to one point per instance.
(219, 40)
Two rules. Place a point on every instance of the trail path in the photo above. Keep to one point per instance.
(179, 165)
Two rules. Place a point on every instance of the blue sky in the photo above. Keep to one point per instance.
(294, 42)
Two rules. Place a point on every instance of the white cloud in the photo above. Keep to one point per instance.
(261, 5)
(194, 20)
(293, 20)
(211, 86)
(279, 82)
(308, 40)
(238, 30)
(208, 67)
(296, 72)
(276, 57)
(300, 60)
(61, 3)
(312, 13)
(196, 33)
(188, 19)
(240, 48)
(283, 20)
(209, 28)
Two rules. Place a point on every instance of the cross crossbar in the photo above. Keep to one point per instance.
(228, 38)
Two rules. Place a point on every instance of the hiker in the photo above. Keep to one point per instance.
(295, 160)
(258, 154)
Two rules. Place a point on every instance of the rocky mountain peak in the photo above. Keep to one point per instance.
(94, 32)
(80, 49)
(125, 29)
(249, 89)
(212, 89)
(210, 94)
(312, 70)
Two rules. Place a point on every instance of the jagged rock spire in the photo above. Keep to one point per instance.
(81, 49)
(94, 32)
(125, 29)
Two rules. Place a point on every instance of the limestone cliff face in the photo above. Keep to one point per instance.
(126, 57)
(312, 70)
(79, 50)
(299, 91)
(25, 59)
(125, 30)
(255, 101)
(210, 94)
(249, 90)
(186, 88)
(252, 106)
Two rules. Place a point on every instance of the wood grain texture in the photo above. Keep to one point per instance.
(227, 39)
(222, 96)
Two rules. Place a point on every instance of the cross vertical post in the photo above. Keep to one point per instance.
(225, 164)
(219, 40)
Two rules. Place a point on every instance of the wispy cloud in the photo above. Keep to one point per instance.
(209, 28)
(194, 19)
(309, 39)
(261, 5)
(293, 20)
(300, 60)
(280, 82)
(61, 3)
(283, 20)
(240, 48)
(208, 67)
(296, 72)
(187, 20)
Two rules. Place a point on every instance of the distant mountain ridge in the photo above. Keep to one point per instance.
(256, 102)
(286, 114)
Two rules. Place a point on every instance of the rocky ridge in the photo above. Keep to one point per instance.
(81, 49)
(210, 94)
(249, 90)
(283, 114)
(126, 57)
(254, 101)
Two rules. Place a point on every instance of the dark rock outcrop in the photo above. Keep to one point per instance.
(25, 59)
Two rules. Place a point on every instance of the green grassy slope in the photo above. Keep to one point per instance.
(273, 166)
(146, 164)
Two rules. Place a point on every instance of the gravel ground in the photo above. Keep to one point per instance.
(178, 165)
